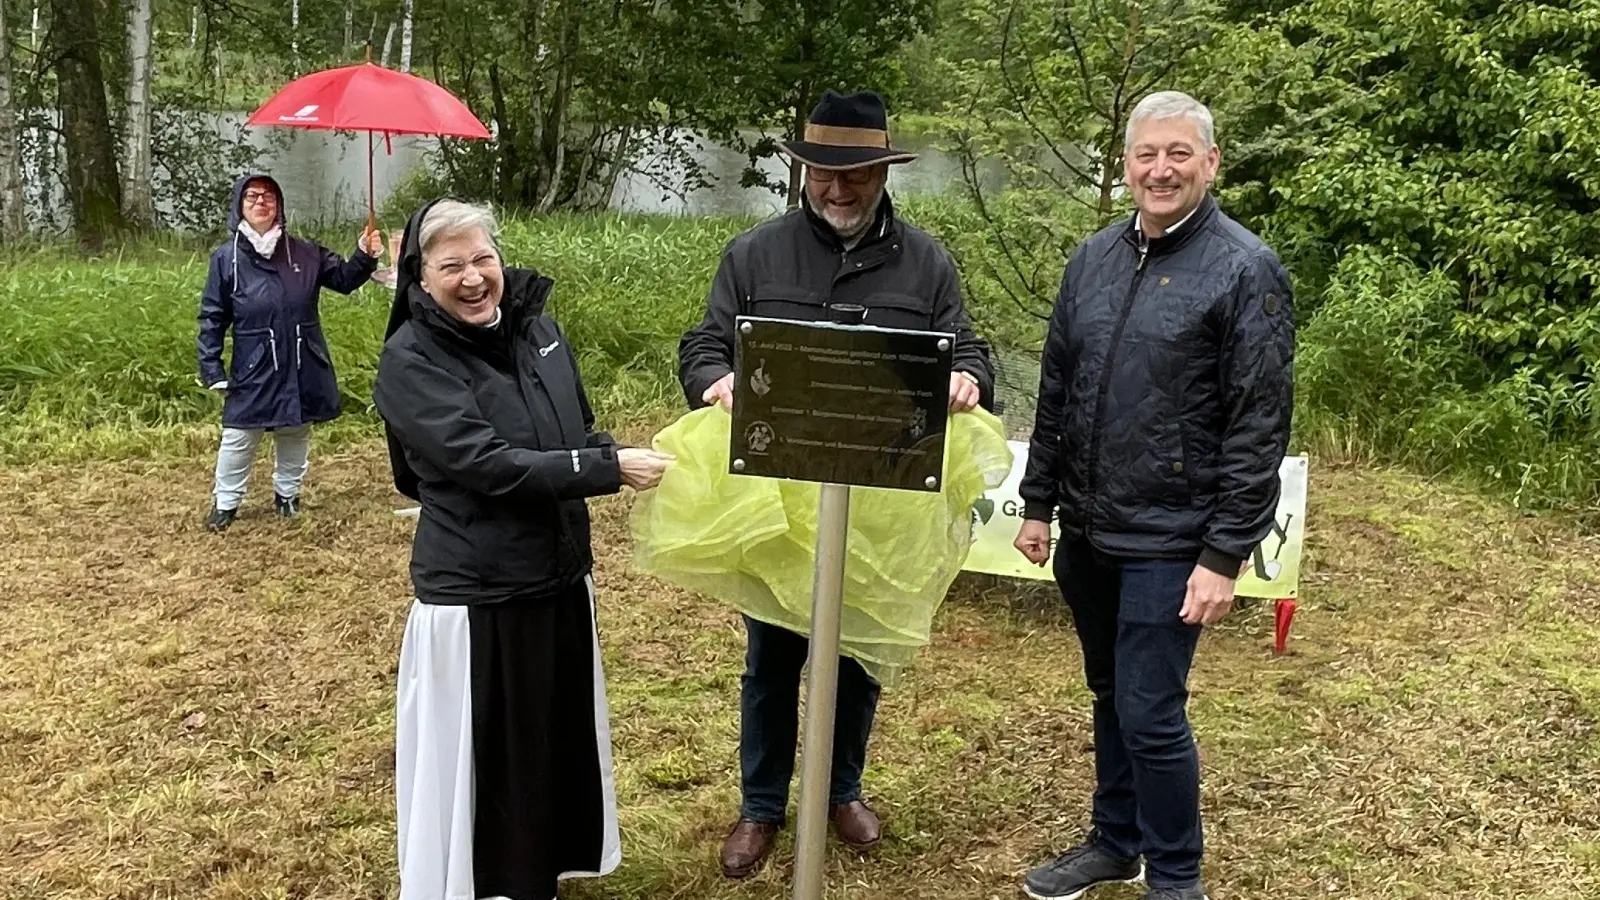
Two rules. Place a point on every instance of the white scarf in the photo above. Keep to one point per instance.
(264, 243)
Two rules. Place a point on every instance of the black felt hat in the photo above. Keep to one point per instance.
(846, 132)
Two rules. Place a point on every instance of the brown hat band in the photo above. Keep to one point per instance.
(841, 136)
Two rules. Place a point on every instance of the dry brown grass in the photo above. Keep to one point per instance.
(185, 715)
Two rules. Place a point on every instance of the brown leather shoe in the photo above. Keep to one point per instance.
(855, 824)
(747, 845)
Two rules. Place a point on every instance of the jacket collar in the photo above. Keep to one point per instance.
(1177, 237)
(524, 298)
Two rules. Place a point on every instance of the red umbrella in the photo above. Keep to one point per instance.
(369, 98)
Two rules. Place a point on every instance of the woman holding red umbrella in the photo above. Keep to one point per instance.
(265, 286)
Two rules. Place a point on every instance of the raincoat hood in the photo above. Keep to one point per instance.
(408, 272)
(236, 208)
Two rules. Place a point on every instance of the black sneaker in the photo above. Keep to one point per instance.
(288, 507)
(1189, 893)
(220, 519)
(1071, 875)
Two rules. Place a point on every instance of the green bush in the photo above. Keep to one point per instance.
(1385, 369)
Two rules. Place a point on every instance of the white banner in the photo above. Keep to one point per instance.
(1272, 571)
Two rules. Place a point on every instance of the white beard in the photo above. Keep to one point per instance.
(852, 229)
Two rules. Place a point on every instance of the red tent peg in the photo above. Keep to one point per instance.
(1284, 613)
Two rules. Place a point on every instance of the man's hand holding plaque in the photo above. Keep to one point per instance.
(721, 391)
(964, 393)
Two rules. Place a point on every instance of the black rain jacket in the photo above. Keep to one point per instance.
(281, 372)
(795, 267)
(490, 430)
(1165, 394)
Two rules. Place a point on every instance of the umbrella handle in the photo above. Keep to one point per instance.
(372, 214)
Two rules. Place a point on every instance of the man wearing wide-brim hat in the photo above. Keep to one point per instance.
(844, 257)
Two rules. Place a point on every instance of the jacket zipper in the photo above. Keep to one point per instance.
(298, 361)
(1105, 386)
(535, 383)
(846, 270)
(272, 342)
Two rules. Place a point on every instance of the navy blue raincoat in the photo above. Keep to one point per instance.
(281, 374)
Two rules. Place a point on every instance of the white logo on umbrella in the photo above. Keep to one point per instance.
(303, 114)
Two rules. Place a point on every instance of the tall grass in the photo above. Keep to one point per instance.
(97, 355)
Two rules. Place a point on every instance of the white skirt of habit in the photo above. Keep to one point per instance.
(503, 751)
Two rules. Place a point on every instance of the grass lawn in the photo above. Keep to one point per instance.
(184, 715)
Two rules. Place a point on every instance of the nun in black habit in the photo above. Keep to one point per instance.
(503, 757)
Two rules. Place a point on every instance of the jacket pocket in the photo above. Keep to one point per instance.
(1172, 464)
(255, 352)
(783, 301)
(1188, 460)
(886, 309)
(515, 550)
(309, 342)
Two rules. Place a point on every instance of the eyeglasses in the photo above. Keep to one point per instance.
(852, 177)
(455, 269)
(260, 198)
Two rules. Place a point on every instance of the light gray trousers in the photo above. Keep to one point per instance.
(291, 449)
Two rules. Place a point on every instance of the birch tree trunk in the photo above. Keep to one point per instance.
(405, 39)
(294, 37)
(13, 222)
(138, 201)
(388, 44)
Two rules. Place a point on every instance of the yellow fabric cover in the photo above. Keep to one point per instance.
(751, 542)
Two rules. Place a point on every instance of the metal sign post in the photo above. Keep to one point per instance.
(840, 405)
(822, 690)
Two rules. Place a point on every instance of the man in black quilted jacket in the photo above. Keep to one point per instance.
(1164, 406)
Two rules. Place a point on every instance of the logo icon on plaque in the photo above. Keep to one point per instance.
(919, 424)
(761, 382)
(758, 437)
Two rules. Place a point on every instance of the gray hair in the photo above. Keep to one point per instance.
(450, 218)
(1169, 105)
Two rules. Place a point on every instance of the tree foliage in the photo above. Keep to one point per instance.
(575, 91)
(1047, 88)
(1453, 137)
(774, 60)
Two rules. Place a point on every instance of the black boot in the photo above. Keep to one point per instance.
(288, 507)
(220, 519)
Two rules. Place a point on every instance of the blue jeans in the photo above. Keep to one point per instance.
(1136, 658)
(769, 716)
